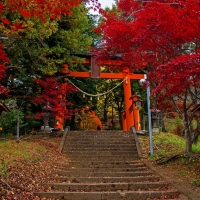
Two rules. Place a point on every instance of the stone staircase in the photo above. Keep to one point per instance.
(104, 165)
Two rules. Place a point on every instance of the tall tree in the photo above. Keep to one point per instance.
(146, 35)
(38, 37)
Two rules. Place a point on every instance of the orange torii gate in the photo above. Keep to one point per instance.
(130, 116)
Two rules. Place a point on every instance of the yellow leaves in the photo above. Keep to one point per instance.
(42, 30)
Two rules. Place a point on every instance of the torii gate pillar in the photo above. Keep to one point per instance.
(128, 102)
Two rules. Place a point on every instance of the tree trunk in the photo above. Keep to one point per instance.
(105, 112)
(188, 142)
(18, 127)
(162, 122)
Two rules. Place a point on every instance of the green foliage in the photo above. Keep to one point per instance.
(3, 168)
(196, 181)
(168, 139)
(9, 121)
(196, 147)
(152, 156)
(168, 144)
(178, 126)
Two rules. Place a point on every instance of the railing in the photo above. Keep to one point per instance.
(136, 141)
(64, 138)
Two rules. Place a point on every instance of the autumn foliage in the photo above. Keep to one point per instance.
(159, 38)
(20, 10)
(88, 120)
(52, 98)
(149, 34)
(3, 59)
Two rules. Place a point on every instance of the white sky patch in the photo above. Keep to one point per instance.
(104, 4)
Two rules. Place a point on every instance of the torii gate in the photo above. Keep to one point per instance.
(130, 116)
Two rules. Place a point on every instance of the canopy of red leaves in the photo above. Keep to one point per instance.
(184, 69)
(3, 59)
(152, 33)
(155, 36)
(52, 97)
(43, 9)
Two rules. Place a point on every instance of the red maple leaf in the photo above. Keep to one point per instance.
(6, 21)
(25, 13)
(1, 7)
(17, 26)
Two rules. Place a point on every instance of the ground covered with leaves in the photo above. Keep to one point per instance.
(170, 162)
(24, 166)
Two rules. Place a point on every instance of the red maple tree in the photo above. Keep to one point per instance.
(160, 38)
(3, 59)
(52, 98)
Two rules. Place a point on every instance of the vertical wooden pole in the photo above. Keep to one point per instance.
(59, 119)
(128, 102)
(136, 113)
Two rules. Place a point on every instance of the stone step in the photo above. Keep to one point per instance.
(132, 162)
(87, 187)
(104, 158)
(150, 178)
(100, 162)
(98, 144)
(103, 174)
(101, 137)
(99, 153)
(102, 140)
(103, 165)
(100, 148)
(86, 170)
(117, 195)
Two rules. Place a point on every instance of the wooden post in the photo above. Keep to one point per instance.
(127, 101)
(136, 111)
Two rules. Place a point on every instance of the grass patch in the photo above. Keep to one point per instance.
(165, 144)
(11, 152)
(196, 147)
(169, 143)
